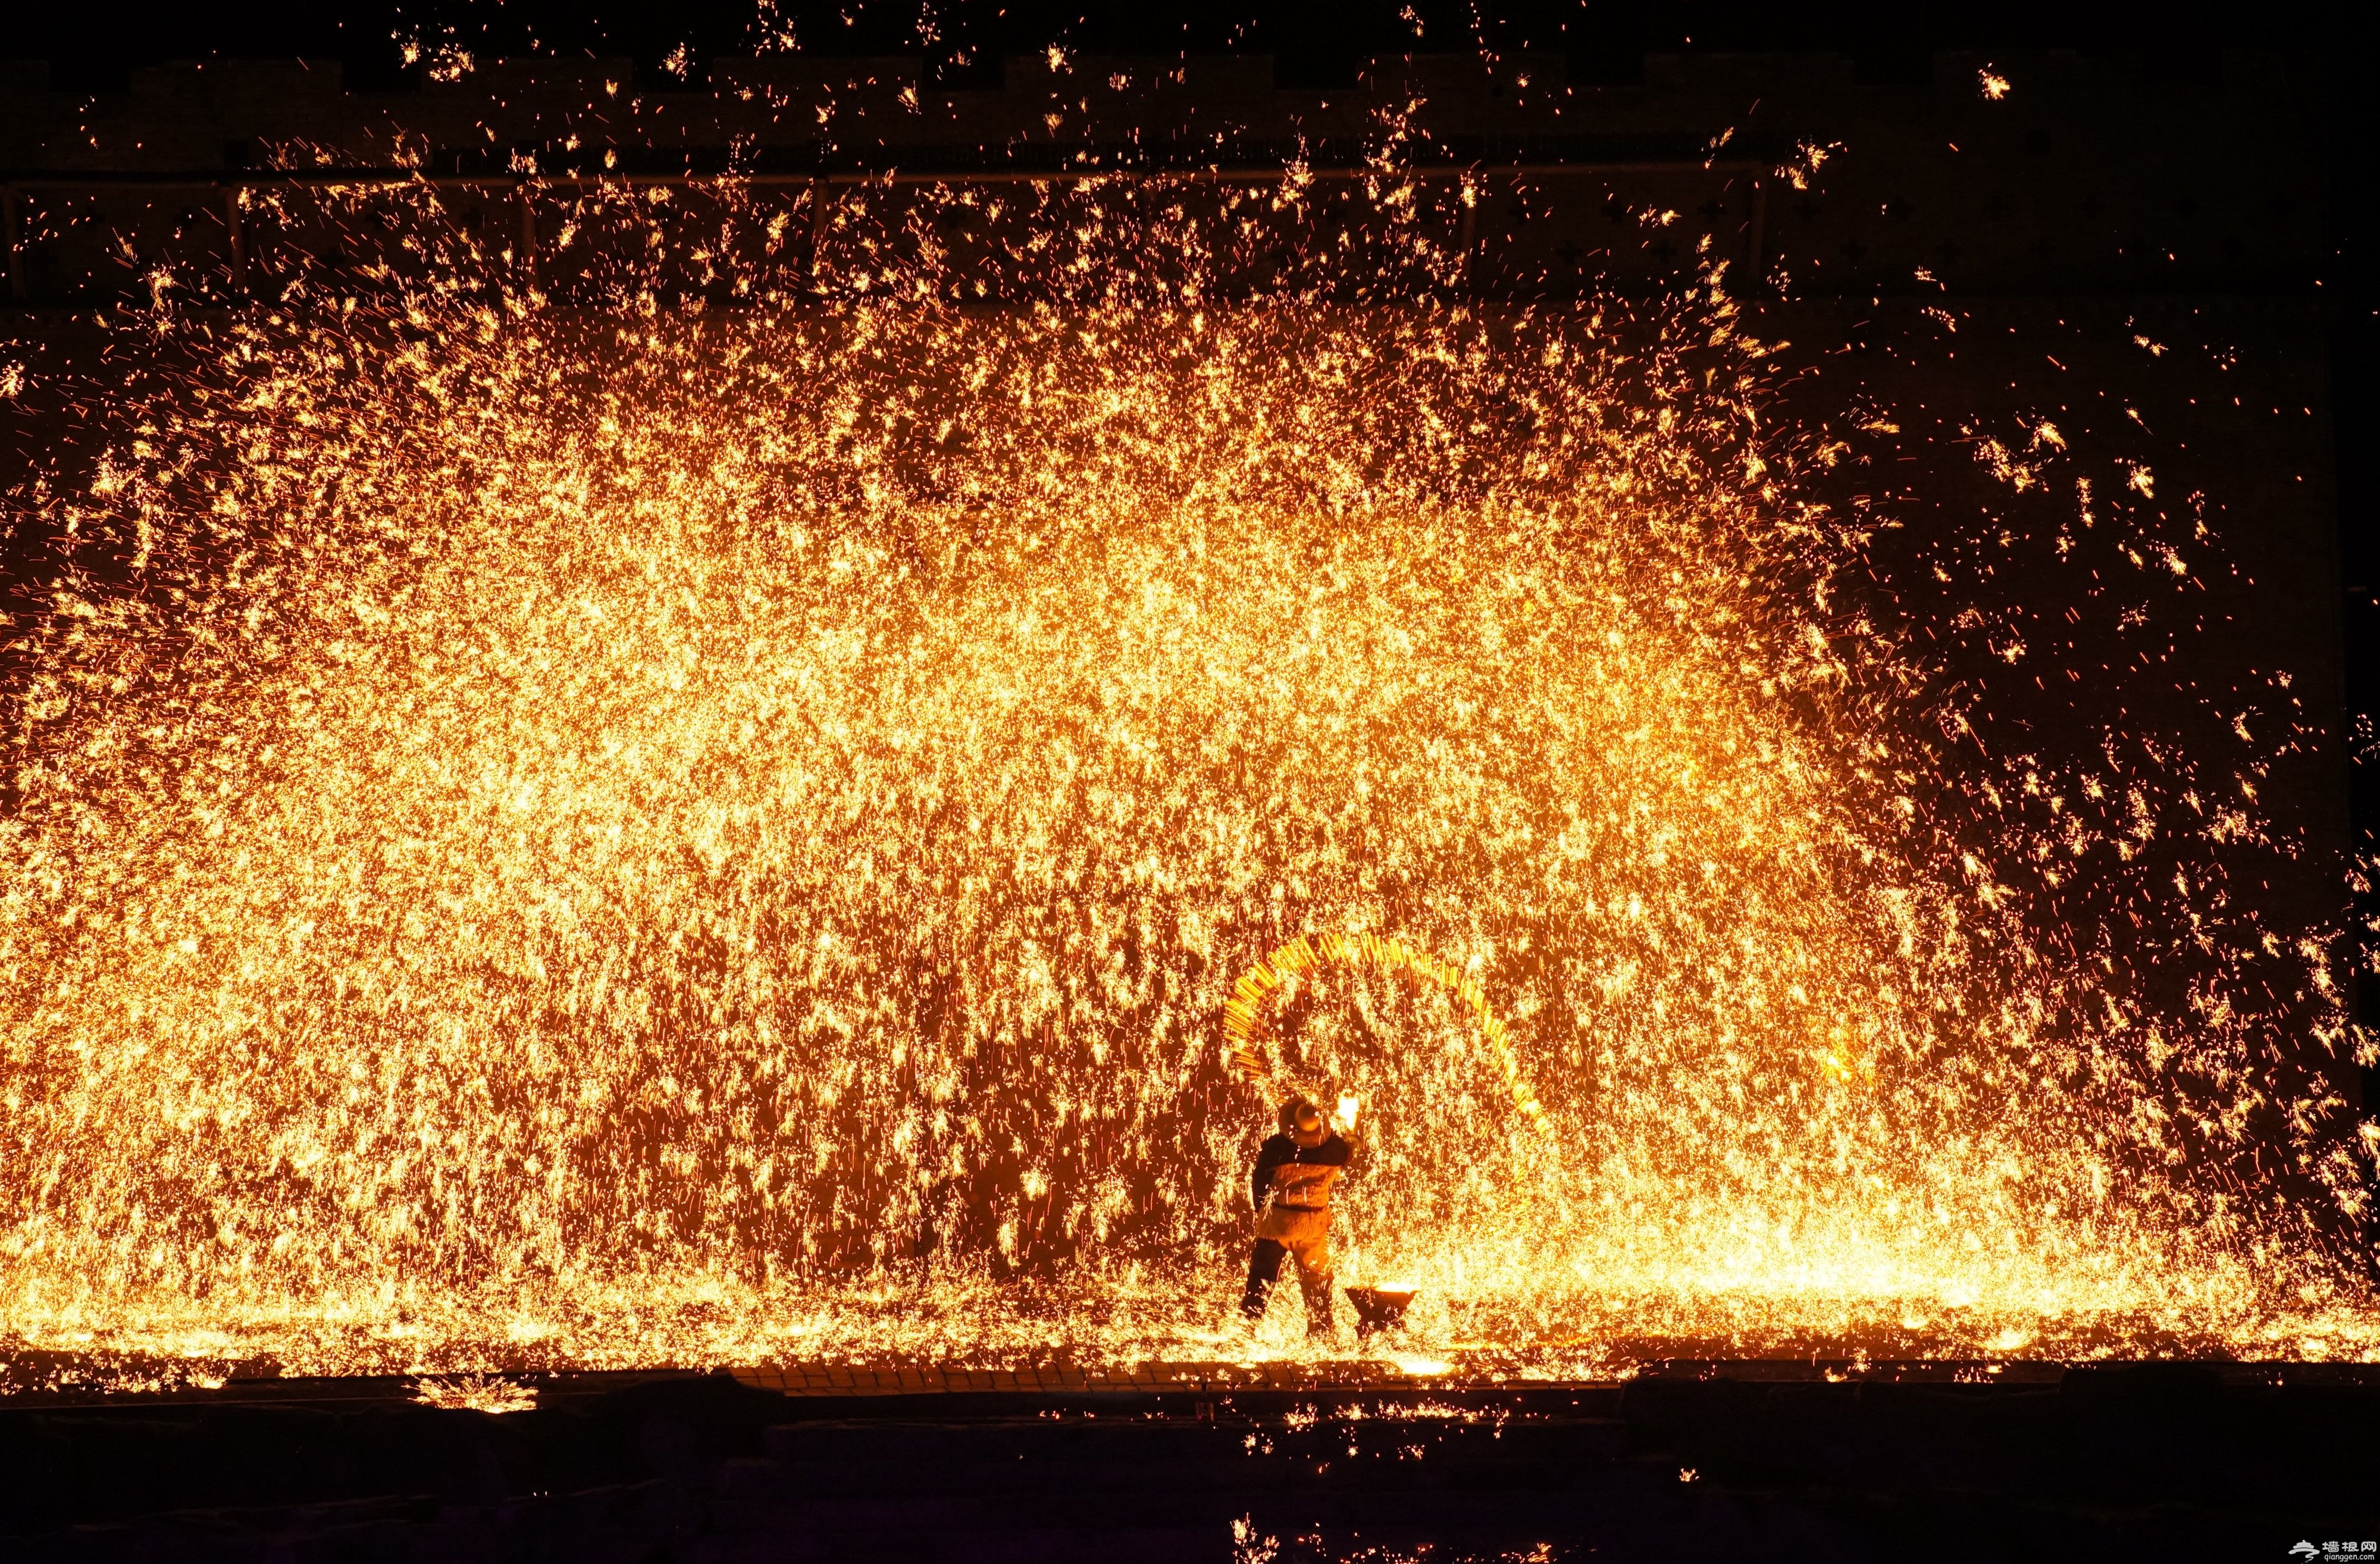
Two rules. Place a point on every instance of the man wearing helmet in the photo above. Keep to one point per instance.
(1291, 1186)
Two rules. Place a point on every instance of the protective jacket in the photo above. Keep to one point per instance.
(1297, 1177)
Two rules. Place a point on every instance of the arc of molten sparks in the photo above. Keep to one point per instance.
(1251, 996)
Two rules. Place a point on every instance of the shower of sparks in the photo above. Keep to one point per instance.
(549, 836)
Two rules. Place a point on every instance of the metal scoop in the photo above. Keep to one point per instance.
(1379, 1308)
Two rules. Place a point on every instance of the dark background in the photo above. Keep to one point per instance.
(95, 47)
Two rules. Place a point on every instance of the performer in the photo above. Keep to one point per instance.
(1291, 1188)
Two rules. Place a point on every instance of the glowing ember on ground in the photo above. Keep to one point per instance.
(661, 838)
(475, 1392)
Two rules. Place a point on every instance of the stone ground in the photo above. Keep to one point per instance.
(1215, 1462)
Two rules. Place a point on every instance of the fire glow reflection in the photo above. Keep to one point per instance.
(544, 838)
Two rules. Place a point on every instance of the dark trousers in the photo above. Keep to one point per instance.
(1264, 1269)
